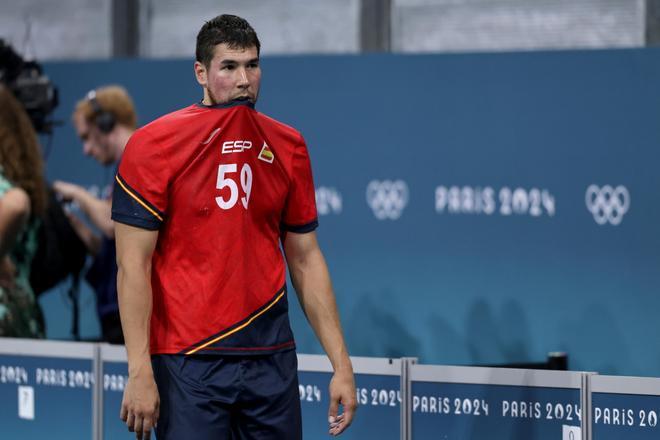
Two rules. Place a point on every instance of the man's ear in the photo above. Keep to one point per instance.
(200, 73)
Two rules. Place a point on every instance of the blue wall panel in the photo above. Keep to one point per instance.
(476, 411)
(495, 256)
(629, 416)
(46, 397)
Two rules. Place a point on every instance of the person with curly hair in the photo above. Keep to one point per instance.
(23, 199)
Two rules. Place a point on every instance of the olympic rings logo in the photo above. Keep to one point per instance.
(387, 198)
(607, 204)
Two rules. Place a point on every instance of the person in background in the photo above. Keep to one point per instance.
(23, 199)
(104, 121)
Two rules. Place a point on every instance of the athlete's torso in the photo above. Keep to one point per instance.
(224, 181)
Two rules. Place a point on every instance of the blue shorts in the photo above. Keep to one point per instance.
(209, 397)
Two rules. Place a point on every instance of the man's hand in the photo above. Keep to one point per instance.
(66, 190)
(97, 210)
(342, 391)
(141, 404)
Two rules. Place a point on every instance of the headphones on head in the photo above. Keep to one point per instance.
(104, 120)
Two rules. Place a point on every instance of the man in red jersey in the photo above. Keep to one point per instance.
(204, 196)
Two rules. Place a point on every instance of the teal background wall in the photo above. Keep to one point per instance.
(472, 271)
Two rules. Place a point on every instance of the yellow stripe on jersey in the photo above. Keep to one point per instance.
(155, 214)
(231, 332)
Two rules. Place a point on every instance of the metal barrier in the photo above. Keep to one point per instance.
(73, 391)
(625, 408)
(495, 403)
(48, 387)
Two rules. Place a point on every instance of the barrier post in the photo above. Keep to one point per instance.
(406, 397)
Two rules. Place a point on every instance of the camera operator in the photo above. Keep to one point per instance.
(104, 120)
(22, 200)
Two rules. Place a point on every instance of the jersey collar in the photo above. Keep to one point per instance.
(229, 104)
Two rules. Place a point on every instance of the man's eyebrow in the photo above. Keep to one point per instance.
(230, 61)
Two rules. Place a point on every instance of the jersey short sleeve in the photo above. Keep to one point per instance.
(140, 196)
(300, 209)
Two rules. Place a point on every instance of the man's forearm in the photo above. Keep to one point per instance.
(312, 283)
(98, 211)
(95, 209)
(310, 277)
(135, 304)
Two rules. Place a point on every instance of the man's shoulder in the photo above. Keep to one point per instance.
(279, 127)
(169, 121)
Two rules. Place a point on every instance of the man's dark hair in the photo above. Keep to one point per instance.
(234, 31)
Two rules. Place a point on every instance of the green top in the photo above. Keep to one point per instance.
(20, 315)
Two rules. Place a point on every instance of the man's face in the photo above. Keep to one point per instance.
(232, 74)
(94, 142)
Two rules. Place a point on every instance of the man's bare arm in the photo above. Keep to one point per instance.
(97, 210)
(135, 247)
(310, 277)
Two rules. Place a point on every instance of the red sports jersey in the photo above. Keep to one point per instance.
(221, 184)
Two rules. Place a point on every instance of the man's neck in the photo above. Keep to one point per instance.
(123, 135)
